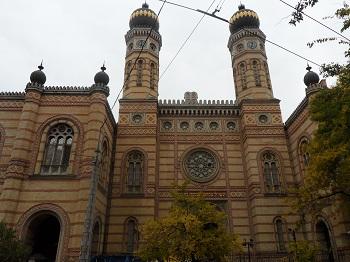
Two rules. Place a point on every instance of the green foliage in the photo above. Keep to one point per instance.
(303, 251)
(328, 175)
(327, 179)
(193, 231)
(11, 249)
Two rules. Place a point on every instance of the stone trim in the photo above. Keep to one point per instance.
(2, 138)
(304, 103)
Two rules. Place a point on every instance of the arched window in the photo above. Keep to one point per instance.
(128, 73)
(104, 166)
(242, 72)
(57, 150)
(270, 167)
(134, 177)
(303, 153)
(153, 78)
(139, 72)
(279, 229)
(256, 68)
(323, 239)
(131, 235)
(267, 75)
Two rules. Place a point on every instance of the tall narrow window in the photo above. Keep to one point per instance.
(304, 155)
(128, 75)
(242, 72)
(281, 245)
(57, 150)
(134, 172)
(104, 166)
(256, 70)
(131, 235)
(139, 72)
(271, 172)
(267, 74)
(153, 74)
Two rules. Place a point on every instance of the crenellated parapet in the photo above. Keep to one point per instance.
(12, 95)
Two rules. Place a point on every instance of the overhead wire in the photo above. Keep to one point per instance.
(315, 20)
(267, 40)
(185, 42)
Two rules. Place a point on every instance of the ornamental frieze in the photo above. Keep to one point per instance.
(136, 107)
(65, 100)
(11, 105)
(207, 195)
(136, 131)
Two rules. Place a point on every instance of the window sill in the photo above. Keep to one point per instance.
(51, 177)
(275, 194)
(132, 195)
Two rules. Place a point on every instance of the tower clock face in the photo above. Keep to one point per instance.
(141, 43)
(252, 44)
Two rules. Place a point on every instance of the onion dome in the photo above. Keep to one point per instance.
(144, 17)
(244, 18)
(311, 77)
(102, 77)
(38, 76)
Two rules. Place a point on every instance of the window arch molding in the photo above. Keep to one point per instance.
(323, 218)
(125, 168)
(38, 149)
(281, 233)
(131, 247)
(105, 161)
(52, 209)
(2, 138)
(302, 155)
(280, 168)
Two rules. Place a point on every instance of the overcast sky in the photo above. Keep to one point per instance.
(74, 37)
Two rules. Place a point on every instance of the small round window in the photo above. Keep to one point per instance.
(199, 126)
(137, 118)
(184, 125)
(263, 119)
(231, 125)
(214, 125)
(167, 125)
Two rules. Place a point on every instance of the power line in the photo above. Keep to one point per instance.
(185, 42)
(227, 21)
(315, 20)
(87, 231)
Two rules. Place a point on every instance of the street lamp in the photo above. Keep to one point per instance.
(250, 245)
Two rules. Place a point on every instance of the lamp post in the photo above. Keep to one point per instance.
(250, 245)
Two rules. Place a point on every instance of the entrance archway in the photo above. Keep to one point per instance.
(324, 241)
(43, 235)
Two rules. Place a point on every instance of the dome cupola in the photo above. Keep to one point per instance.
(38, 76)
(311, 77)
(102, 77)
(144, 17)
(244, 18)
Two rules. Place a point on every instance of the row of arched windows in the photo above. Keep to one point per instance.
(140, 66)
(256, 67)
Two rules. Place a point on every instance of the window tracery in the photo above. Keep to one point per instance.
(57, 150)
(303, 153)
(139, 72)
(134, 177)
(279, 229)
(131, 235)
(104, 165)
(153, 73)
(256, 68)
(242, 71)
(271, 172)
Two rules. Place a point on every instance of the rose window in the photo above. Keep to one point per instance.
(201, 165)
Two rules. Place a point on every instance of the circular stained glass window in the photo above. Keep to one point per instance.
(214, 125)
(263, 119)
(137, 119)
(199, 126)
(167, 125)
(201, 165)
(184, 125)
(231, 125)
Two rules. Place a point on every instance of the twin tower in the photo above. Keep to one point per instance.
(246, 44)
